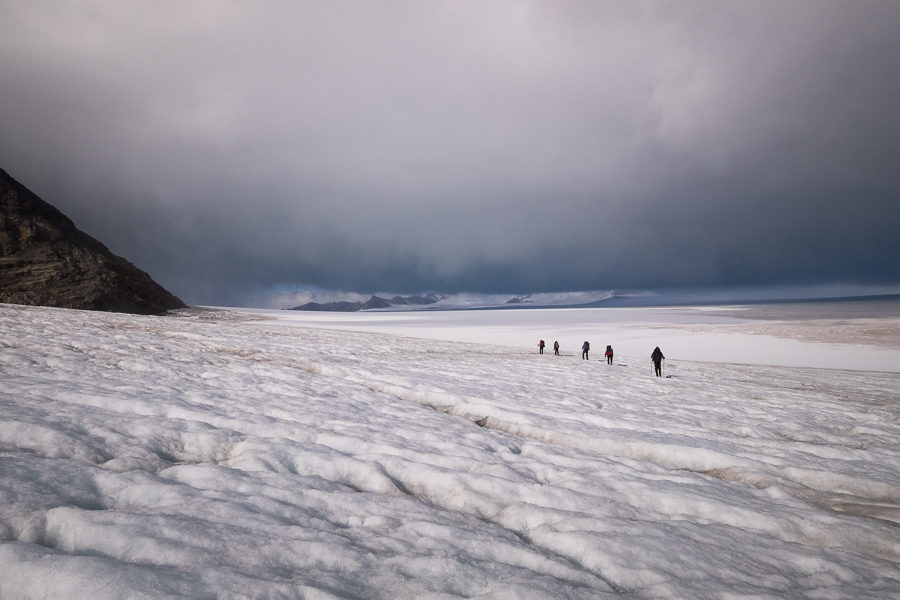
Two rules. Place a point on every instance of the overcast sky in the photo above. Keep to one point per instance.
(239, 149)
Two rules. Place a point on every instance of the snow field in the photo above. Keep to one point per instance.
(210, 456)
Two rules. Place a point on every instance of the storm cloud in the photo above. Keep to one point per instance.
(236, 149)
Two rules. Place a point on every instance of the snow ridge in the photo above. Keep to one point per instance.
(208, 455)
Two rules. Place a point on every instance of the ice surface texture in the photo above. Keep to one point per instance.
(211, 456)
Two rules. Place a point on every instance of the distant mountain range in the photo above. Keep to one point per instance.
(599, 299)
(372, 303)
(436, 301)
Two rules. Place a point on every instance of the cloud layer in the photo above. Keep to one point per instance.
(232, 149)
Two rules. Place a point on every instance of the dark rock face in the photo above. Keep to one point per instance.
(424, 300)
(375, 302)
(330, 306)
(46, 261)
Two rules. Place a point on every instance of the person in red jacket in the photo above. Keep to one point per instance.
(609, 354)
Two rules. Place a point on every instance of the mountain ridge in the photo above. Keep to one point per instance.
(45, 260)
(374, 302)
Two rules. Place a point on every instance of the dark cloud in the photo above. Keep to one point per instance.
(235, 148)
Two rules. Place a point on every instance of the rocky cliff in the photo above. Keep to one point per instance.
(46, 261)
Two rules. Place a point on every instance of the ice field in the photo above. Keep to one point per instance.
(273, 454)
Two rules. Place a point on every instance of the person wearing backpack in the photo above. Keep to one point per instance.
(541, 346)
(609, 355)
(585, 348)
(556, 348)
(657, 358)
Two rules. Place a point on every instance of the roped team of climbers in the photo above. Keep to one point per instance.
(656, 356)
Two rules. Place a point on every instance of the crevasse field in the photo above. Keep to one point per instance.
(225, 454)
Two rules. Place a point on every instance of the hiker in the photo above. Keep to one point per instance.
(657, 358)
(556, 348)
(609, 355)
(541, 346)
(585, 348)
